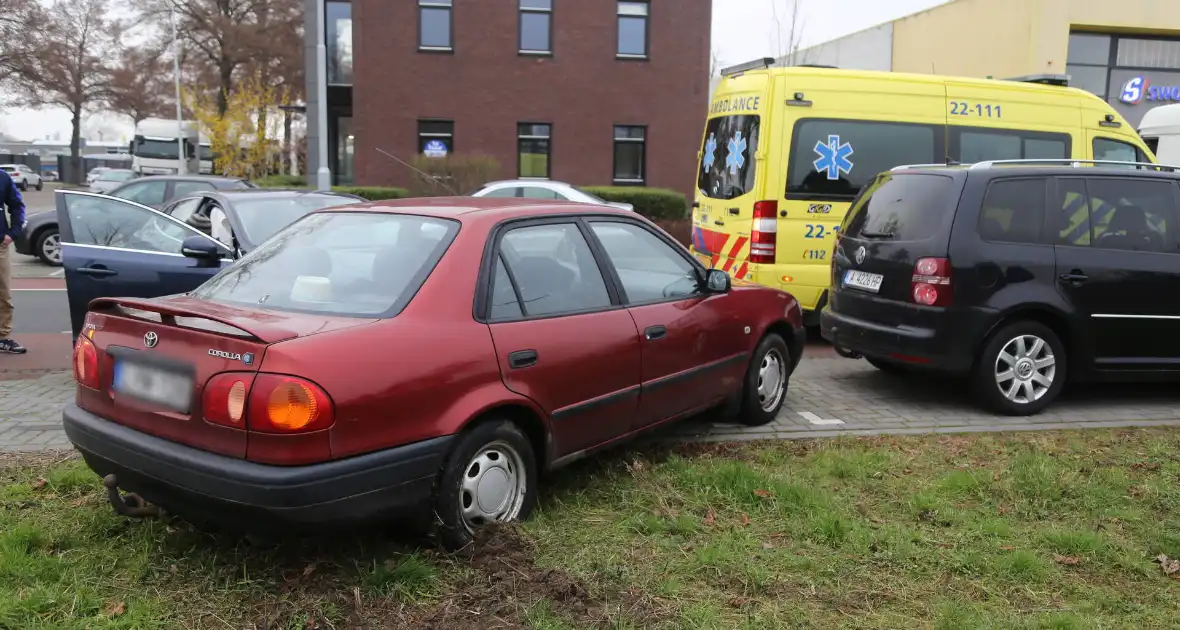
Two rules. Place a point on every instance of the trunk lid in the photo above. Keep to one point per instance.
(898, 219)
(155, 357)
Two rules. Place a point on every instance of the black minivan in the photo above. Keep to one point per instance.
(1016, 274)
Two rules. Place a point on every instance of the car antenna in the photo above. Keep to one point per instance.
(425, 175)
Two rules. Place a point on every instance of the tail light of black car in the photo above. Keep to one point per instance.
(931, 282)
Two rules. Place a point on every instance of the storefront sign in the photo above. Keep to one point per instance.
(1140, 89)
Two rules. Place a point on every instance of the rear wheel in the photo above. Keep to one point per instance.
(1021, 369)
(40, 183)
(490, 476)
(767, 379)
(47, 246)
(23, 185)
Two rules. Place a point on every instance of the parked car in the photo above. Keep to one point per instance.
(991, 272)
(420, 356)
(111, 179)
(113, 246)
(23, 176)
(95, 172)
(41, 237)
(545, 189)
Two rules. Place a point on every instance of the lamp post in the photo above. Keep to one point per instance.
(323, 174)
(181, 155)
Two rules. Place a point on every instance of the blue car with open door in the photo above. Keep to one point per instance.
(114, 247)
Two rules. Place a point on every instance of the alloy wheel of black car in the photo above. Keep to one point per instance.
(1021, 370)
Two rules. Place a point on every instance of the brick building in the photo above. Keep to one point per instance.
(591, 92)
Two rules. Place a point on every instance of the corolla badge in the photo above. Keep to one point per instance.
(222, 354)
(860, 254)
(151, 339)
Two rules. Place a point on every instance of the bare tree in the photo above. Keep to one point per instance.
(714, 64)
(17, 19)
(67, 66)
(141, 85)
(786, 49)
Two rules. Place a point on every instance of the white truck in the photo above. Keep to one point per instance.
(205, 155)
(156, 147)
(1160, 129)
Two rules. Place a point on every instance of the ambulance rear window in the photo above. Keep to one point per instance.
(727, 168)
(834, 159)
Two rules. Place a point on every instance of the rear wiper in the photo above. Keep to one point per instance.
(868, 234)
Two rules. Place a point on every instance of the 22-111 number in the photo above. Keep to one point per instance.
(816, 230)
(981, 110)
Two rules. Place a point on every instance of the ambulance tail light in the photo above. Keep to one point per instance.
(764, 232)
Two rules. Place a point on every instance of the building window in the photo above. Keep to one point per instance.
(434, 25)
(532, 148)
(536, 27)
(1148, 53)
(630, 158)
(436, 138)
(345, 150)
(1088, 61)
(339, 41)
(633, 30)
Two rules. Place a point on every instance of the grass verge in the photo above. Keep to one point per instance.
(1007, 531)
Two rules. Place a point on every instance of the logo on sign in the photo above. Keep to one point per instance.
(1140, 89)
(151, 339)
(435, 149)
(819, 208)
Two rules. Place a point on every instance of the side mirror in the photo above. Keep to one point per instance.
(717, 281)
(202, 249)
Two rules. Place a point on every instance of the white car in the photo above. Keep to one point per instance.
(111, 179)
(95, 173)
(23, 176)
(545, 189)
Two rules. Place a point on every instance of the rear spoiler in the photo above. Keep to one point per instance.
(180, 307)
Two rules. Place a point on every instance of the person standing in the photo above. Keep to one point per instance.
(10, 227)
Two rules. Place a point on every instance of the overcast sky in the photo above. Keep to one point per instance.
(742, 30)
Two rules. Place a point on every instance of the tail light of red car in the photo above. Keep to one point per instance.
(764, 232)
(86, 363)
(931, 283)
(267, 403)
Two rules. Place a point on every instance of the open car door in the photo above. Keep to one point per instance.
(118, 248)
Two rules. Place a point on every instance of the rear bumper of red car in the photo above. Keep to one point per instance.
(192, 482)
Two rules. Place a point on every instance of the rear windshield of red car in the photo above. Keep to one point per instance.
(352, 264)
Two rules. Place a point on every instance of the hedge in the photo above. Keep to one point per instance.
(653, 203)
(373, 193)
(281, 181)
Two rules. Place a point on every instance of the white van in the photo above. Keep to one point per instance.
(1160, 130)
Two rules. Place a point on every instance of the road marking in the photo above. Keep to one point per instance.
(15, 290)
(58, 273)
(814, 419)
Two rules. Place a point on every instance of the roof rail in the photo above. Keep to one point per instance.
(1060, 80)
(757, 64)
(1073, 163)
(909, 167)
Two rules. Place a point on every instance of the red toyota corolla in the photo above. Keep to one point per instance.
(433, 355)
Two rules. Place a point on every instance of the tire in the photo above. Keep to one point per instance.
(761, 398)
(47, 246)
(494, 445)
(887, 367)
(24, 185)
(998, 381)
(41, 184)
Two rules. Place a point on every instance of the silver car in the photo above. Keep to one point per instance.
(545, 189)
(111, 179)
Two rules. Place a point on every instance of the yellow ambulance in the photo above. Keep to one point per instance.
(785, 150)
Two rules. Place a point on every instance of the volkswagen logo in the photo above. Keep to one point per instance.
(860, 254)
(151, 339)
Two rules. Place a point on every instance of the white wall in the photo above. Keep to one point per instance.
(870, 49)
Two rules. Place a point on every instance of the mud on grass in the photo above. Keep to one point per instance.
(1014, 531)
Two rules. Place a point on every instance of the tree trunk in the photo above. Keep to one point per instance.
(76, 132)
(226, 76)
(288, 166)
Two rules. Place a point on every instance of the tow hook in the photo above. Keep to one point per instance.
(129, 504)
(847, 354)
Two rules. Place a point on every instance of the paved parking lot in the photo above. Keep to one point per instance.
(829, 396)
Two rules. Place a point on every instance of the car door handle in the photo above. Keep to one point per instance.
(1075, 277)
(655, 333)
(97, 272)
(522, 359)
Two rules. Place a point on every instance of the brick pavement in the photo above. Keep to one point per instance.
(829, 396)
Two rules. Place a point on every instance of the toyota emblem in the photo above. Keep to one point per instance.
(860, 254)
(151, 339)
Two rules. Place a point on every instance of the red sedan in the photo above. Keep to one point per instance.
(429, 354)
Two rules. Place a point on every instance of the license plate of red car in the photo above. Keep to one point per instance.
(152, 384)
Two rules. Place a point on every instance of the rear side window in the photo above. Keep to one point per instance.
(727, 169)
(1132, 214)
(906, 207)
(972, 144)
(1013, 211)
(834, 159)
